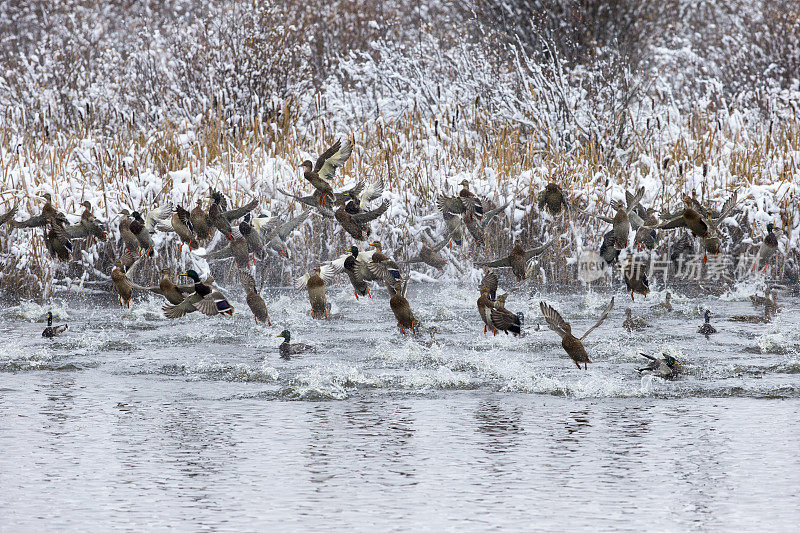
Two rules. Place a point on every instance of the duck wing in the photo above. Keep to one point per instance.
(453, 205)
(554, 320)
(489, 282)
(284, 230)
(537, 251)
(489, 215)
(334, 157)
(363, 218)
(154, 216)
(302, 281)
(602, 318)
(677, 222)
(504, 262)
(239, 212)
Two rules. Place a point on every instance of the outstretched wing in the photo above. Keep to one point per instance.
(554, 319)
(634, 200)
(363, 218)
(286, 229)
(489, 215)
(439, 246)
(537, 251)
(5, 217)
(302, 281)
(157, 215)
(334, 157)
(601, 319)
(489, 282)
(239, 212)
(353, 191)
(451, 204)
(504, 262)
(727, 207)
(372, 192)
(677, 222)
(177, 311)
(503, 319)
(76, 231)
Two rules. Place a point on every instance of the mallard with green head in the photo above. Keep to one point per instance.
(665, 367)
(51, 331)
(571, 344)
(707, 329)
(287, 349)
(205, 299)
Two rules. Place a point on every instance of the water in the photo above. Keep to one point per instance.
(132, 422)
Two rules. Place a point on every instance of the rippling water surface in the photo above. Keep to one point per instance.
(133, 422)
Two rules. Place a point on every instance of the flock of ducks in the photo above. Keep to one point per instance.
(247, 238)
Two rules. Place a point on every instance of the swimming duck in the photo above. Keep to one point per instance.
(505, 320)
(314, 282)
(400, 306)
(571, 344)
(205, 299)
(381, 266)
(688, 218)
(665, 367)
(488, 293)
(517, 259)
(51, 331)
(286, 349)
(667, 303)
(358, 225)
(201, 224)
(324, 169)
(633, 322)
(636, 279)
(621, 224)
(767, 249)
(707, 329)
(754, 319)
(173, 292)
(552, 197)
(180, 223)
(253, 299)
(48, 214)
(122, 277)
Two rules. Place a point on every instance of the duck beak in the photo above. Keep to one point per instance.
(678, 363)
(185, 274)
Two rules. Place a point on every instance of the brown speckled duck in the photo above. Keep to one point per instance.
(571, 344)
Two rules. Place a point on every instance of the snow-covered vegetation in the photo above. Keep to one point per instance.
(134, 104)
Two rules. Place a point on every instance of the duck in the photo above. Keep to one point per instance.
(688, 218)
(121, 277)
(608, 250)
(504, 320)
(57, 240)
(358, 199)
(51, 331)
(9, 215)
(216, 215)
(465, 203)
(488, 293)
(552, 197)
(767, 249)
(320, 173)
(430, 255)
(255, 243)
(517, 259)
(254, 300)
(324, 207)
(205, 299)
(173, 292)
(621, 224)
(754, 319)
(201, 224)
(712, 241)
(381, 266)
(633, 322)
(314, 282)
(286, 349)
(453, 223)
(665, 367)
(707, 329)
(48, 214)
(477, 226)
(681, 252)
(129, 239)
(143, 228)
(400, 306)
(358, 225)
(666, 304)
(275, 234)
(88, 225)
(355, 270)
(181, 224)
(571, 344)
(635, 279)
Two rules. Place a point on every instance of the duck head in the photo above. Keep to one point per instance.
(306, 165)
(49, 317)
(671, 361)
(216, 197)
(286, 335)
(521, 317)
(137, 216)
(354, 251)
(770, 227)
(87, 205)
(707, 316)
(193, 275)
